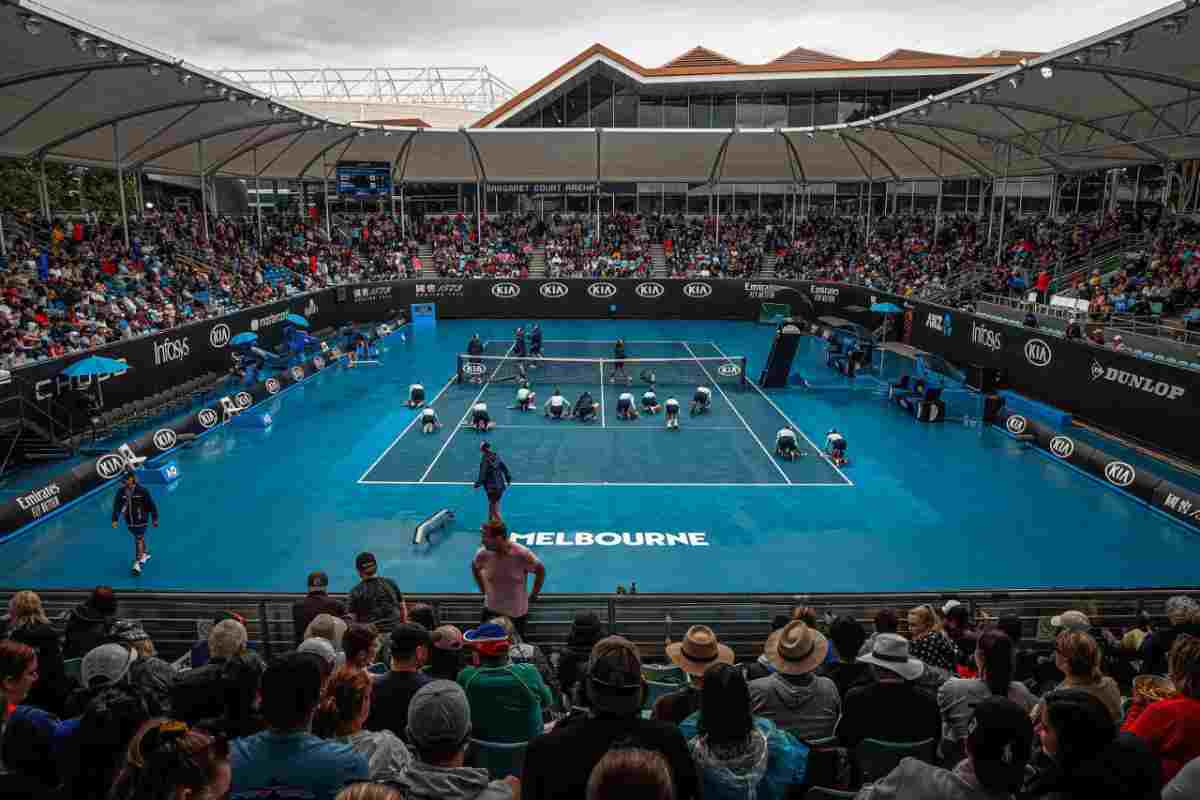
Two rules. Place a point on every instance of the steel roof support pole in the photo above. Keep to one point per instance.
(44, 194)
(203, 193)
(120, 181)
(257, 196)
(3, 244)
(991, 210)
(325, 197)
(871, 197)
(1000, 238)
(1137, 188)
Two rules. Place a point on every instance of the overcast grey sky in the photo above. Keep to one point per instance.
(522, 40)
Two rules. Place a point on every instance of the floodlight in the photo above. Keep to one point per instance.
(1047, 72)
(32, 24)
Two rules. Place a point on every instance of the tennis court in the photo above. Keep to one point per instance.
(731, 445)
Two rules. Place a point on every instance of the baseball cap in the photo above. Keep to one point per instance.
(317, 580)
(108, 662)
(439, 716)
(407, 635)
(319, 647)
(364, 560)
(486, 633)
(127, 630)
(1071, 619)
(614, 674)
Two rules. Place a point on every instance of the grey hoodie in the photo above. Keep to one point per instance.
(426, 782)
(810, 711)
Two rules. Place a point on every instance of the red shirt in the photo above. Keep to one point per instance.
(1171, 728)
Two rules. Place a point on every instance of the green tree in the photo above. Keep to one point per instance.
(64, 183)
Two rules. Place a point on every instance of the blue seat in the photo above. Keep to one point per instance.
(500, 759)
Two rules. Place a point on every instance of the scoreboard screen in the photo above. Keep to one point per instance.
(364, 178)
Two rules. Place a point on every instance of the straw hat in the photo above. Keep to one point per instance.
(796, 649)
(698, 651)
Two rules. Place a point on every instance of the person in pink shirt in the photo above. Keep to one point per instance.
(500, 568)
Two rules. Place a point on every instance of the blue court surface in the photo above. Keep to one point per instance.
(704, 508)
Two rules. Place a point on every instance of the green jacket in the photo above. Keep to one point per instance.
(506, 702)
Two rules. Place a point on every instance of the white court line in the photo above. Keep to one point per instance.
(793, 425)
(633, 427)
(602, 403)
(396, 441)
(621, 485)
(733, 408)
(613, 341)
(450, 438)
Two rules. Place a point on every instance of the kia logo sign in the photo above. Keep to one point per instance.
(298, 373)
(1119, 473)
(164, 439)
(602, 290)
(272, 386)
(1016, 424)
(650, 291)
(109, 466)
(1062, 447)
(207, 418)
(697, 291)
(319, 362)
(506, 290)
(243, 399)
(219, 335)
(474, 369)
(729, 370)
(1038, 353)
(553, 290)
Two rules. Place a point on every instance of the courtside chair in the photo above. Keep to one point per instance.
(500, 759)
(875, 758)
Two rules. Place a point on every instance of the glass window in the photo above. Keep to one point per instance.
(749, 110)
(626, 203)
(746, 199)
(675, 112)
(552, 113)
(578, 203)
(774, 111)
(905, 96)
(851, 103)
(724, 110)
(649, 198)
(650, 112)
(825, 107)
(674, 199)
(697, 203)
(577, 107)
(773, 200)
(602, 102)
(876, 103)
(799, 109)
(701, 111)
(625, 109)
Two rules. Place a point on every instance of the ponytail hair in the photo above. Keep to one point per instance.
(999, 744)
(166, 755)
(348, 691)
(996, 651)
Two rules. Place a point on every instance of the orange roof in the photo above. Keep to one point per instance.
(802, 55)
(730, 67)
(699, 57)
(907, 55)
(405, 122)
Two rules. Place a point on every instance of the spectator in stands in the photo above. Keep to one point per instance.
(1085, 756)
(200, 654)
(376, 600)
(893, 708)
(88, 623)
(316, 602)
(1031, 320)
(761, 666)
(1183, 614)
(793, 697)
(847, 635)
(423, 614)
(1186, 783)
(1171, 727)
(1077, 655)
(28, 768)
(558, 764)
(286, 757)
(886, 620)
(221, 695)
(344, 709)
(18, 675)
(585, 631)
(370, 791)
(325, 655)
(956, 624)
(739, 755)
(446, 654)
(1024, 658)
(500, 568)
(27, 623)
(1073, 330)
(169, 759)
(929, 644)
(630, 773)
(507, 699)
(699, 650)
(327, 627)
(394, 691)
(522, 652)
(958, 696)
(439, 729)
(148, 672)
(361, 646)
(997, 749)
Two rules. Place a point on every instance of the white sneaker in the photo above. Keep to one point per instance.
(137, 568)
(144, 558)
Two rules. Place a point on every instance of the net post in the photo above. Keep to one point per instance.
(458, 375)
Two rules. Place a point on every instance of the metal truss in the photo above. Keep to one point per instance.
(468, 88)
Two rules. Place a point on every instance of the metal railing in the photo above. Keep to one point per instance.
(18, 410)
(1150, 327)
(1066, 271)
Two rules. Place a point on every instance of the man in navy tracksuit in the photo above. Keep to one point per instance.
(134, 503)
(494, 478)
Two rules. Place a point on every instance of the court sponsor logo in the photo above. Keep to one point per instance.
(259, 323)
(243, 399)
(207, 418)
(319, 362)
(41, 501)
(311, 308)
(298, 373)
(272, 386)
(218, 336)
(553, 290)
(1016, 424)
(942, 323)
(650, 291)
(602, 290)
(825, 294)
(371, 294)
(697, 291)
(171, 350)
(764, 291)
(1062, 446)
(1141, 382)
(985, 337)
(474, 369)
(1181, 505)
(1038, 353)
(612, 539)
(505, 290)
(729, 370)
(439, 289)
(165, 439)
(1118, 473)
(109, 466)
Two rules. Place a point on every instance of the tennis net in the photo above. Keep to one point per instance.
(728, 371)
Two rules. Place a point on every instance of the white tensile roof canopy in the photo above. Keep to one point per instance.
(1130, 95)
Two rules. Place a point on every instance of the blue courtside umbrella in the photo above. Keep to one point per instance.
(244, 338)
(95, 366)
(886, 308)
(297, 320)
